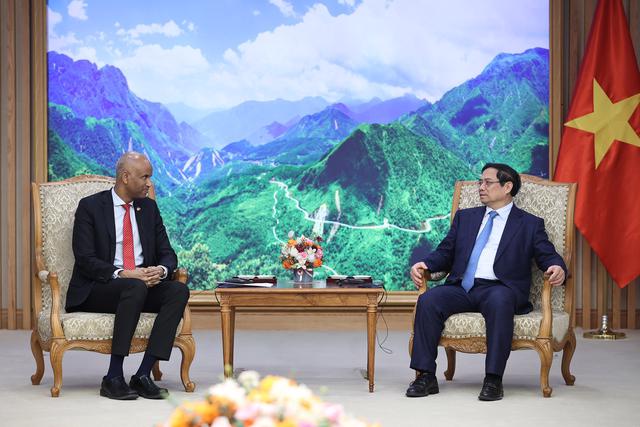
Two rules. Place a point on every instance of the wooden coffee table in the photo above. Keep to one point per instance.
(286, 295)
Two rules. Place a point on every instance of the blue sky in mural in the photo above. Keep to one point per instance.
(215, 54)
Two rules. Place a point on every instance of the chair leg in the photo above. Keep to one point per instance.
(56, 354)
(543, 347)
(451, 363)
(157, 373)
(36, 349)
(187, 346)
(567, 355)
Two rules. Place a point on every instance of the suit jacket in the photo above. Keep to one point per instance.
(524, 238)
(94, 242)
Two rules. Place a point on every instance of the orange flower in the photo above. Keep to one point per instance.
(317, 262)
(204, 410)
(286, 264)
(182, 418)
(291, 242)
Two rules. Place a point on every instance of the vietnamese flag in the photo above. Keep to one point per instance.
(600, 147)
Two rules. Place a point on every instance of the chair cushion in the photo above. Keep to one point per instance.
(95, 326)
(525, 326)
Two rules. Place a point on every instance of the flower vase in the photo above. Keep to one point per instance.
(300, 275)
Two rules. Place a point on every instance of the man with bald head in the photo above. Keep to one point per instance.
(123, 265)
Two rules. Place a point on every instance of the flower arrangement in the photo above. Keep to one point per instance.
(270, 402)
(301, 252)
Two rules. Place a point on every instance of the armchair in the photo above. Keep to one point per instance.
(549, 327)
(57, 331)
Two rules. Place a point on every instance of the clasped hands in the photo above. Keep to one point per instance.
(151, 276)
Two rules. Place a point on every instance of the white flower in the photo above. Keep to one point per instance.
(264, 422)
(221, 422)
(249, 379)
(291, 234)
(229, 389)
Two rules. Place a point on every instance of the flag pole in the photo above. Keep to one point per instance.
(604, 333)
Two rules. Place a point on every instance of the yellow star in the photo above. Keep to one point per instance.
(609, 121)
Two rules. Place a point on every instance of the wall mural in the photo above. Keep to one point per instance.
(348, 119)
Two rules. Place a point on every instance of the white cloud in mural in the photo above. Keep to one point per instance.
(77, 9)
(285, 7)
(168, 29)
(165, 74)
(350, 3)
(383, 49)
(68, 43)
(53, 18)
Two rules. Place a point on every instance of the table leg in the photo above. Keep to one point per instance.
(233, 335)
(372, 316)
(227, 315)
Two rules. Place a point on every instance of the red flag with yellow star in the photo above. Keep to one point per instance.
(600, 148)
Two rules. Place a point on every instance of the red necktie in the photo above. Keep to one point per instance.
(128, 257)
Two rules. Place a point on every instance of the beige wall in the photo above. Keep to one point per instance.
(23, 156)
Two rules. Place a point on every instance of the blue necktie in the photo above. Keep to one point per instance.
(481, 241)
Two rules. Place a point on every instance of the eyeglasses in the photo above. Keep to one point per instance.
(486, 182)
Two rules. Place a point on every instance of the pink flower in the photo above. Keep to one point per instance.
(247, 412)
(333, 412)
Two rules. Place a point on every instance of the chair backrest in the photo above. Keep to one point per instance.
(552, 201)
(54, 205)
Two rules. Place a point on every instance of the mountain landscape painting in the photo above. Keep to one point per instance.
(346, 119)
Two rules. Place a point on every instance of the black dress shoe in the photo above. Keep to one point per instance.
(145, 387)
(116, 388)
(424, 385)
(491, 390)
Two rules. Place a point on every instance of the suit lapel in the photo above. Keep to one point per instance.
(140, 216)
(110, 222)
(472, 233)
(510, 229)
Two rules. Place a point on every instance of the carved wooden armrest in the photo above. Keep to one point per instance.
(547, 314)
(56, 324)
(430, 276)
(181, 275)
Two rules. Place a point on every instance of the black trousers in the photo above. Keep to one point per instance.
(493, 299)
(127, 298)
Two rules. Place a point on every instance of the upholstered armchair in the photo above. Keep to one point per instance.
(549, 327)
(57, 331)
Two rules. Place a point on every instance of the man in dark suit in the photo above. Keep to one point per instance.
(488, 252)
(123, 265)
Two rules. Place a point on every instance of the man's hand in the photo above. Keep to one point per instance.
(417, 272)
(556, 275)
(149, 275)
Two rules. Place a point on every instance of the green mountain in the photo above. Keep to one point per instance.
(308, 140)
(391, 169)
(380, 195)
(94, 145)
(377, 198)
(501, 115)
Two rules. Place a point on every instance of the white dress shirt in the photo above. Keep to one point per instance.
(488, 254)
